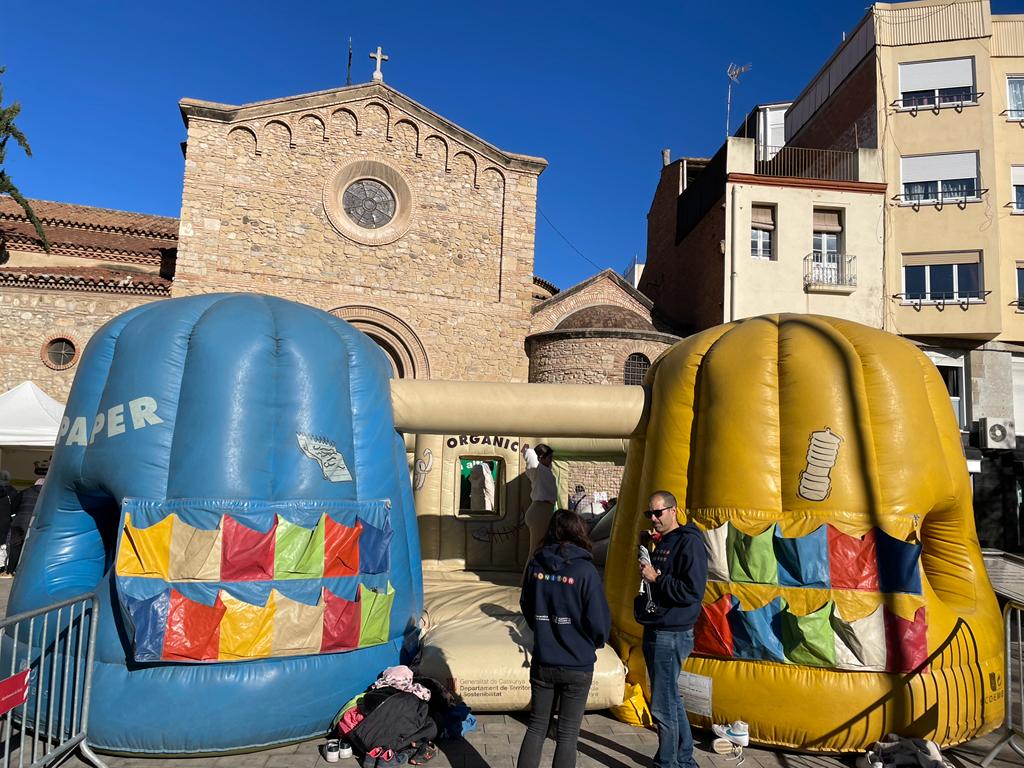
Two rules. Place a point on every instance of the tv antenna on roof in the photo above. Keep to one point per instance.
(734, 71)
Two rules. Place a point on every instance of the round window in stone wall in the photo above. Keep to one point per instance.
(369, 201)
(59, 353)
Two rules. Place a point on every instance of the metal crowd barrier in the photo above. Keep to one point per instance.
(46, 656)
(1013, 620)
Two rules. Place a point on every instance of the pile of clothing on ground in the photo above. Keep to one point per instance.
(396, 720)
(896, 750)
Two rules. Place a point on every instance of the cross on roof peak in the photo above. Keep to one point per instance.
(378, 76)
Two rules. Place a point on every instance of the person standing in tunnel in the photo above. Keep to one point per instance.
(543, 493)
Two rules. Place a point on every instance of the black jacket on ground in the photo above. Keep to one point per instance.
(682, 559)
(563, 603)
(393, 720)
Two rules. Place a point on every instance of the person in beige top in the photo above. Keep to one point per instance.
(543, 493)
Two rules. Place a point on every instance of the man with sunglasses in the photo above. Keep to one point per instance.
(677, 575)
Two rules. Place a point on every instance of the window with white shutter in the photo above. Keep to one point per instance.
(937, 84)
(948, 178)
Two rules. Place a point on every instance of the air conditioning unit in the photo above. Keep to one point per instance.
(997, 433)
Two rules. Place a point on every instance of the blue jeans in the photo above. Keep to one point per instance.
(570, 687)
(664, 653)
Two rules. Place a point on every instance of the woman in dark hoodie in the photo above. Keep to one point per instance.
(563, 602)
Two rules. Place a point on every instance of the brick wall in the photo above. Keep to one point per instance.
(685, 279)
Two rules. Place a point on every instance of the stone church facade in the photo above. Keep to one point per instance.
(439, 271)
(358, 201)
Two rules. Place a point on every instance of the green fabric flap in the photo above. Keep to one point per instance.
(375, 615)
(752, 558)
(809, 639)
(299, 552)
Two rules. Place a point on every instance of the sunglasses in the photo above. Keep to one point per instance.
(653, 513)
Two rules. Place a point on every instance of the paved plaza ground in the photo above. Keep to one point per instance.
(604, 742)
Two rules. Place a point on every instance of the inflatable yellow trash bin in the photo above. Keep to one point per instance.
(847, 597)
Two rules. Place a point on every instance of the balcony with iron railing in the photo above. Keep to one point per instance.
(830, 272)
(805, 163)
(747, 157)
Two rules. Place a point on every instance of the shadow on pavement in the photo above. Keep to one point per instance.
(609, 744)
(461, 754)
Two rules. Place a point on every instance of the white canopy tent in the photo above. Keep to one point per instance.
(29, 417)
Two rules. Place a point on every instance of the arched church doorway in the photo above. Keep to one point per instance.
(393, 335)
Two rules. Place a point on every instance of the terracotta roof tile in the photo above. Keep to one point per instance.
(100, 218)
(85, 279)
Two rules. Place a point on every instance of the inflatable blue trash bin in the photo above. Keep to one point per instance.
(228, 478)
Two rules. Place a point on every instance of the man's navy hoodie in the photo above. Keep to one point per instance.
(682, 559)
(563, 603)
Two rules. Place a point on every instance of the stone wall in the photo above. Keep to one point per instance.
(30, 318)
(590, 356)
(256, 216)
(596, 477)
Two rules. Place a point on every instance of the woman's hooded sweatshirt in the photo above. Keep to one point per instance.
(563, 602)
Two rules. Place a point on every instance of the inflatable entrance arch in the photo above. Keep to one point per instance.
(230, 480)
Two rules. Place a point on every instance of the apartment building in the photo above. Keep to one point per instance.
(934, 90)
(761, 228)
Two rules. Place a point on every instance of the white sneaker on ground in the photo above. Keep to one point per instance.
(332, 750)
(737, 732)
(724, 747)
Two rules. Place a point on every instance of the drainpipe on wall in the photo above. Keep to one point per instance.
(732, 257)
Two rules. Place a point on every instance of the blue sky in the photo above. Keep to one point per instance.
(596, 88)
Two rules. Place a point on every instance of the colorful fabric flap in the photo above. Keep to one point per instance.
(375, 548)
(752, 558)
(716, 542)
(342, 622)
(341, 548)
(375, 615)
(808, 640)
(299, 552)
(246, 630)
(298, 627)
(757, 633)
(147, 620)
(898, 565)
(202, 580)
(906, 641)
(195, 554)
(803, 561)
(193, 629)
(853, 562)
(860, 644)
(144, 551)
(713, 636)
(247, 554)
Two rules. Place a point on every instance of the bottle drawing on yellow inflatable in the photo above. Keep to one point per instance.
(822, 454)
